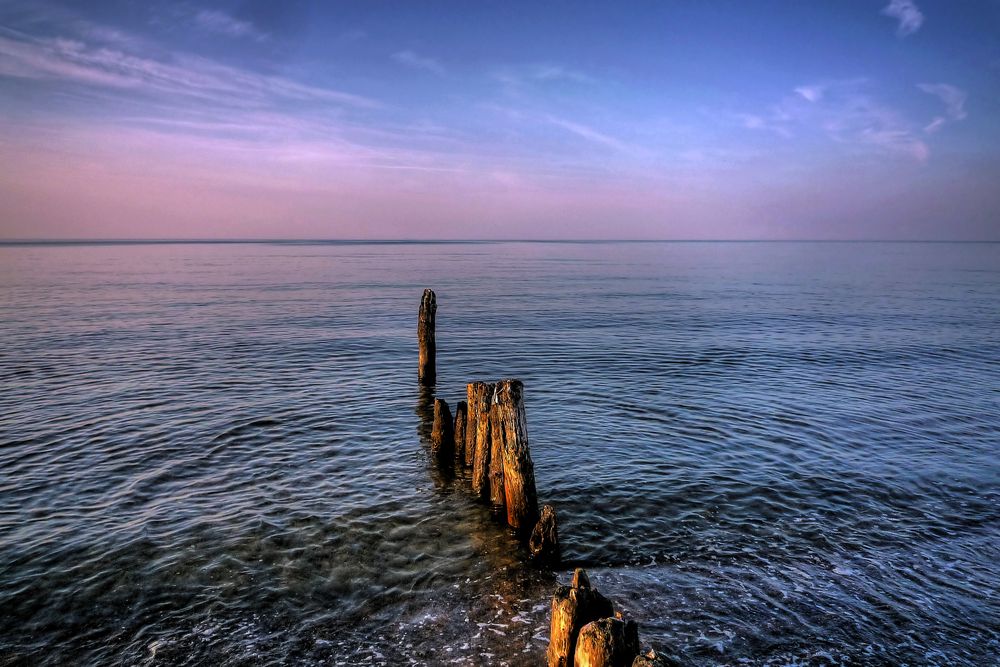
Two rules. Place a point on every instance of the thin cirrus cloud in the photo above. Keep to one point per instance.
(588, 133)
(73, 60)
(813, 93)
(907, 13)
(848, 113)
(419, 62)
(216, 21)
(954, 104)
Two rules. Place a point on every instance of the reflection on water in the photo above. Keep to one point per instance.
(768, 453)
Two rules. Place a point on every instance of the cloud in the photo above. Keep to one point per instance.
(847, 112)
(515, 79)
(588, 133)
(550, 72)
(954, 104)
(908, 14)
(415, 61)
(757, 122)
(213, 20)
(812, 93)
(106, 65)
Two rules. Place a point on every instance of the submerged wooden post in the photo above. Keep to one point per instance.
(461, 415)
(478, 430)
(442, 433)
(427, 372)
(518, 470)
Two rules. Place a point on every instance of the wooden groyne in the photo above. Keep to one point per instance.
(488, 438)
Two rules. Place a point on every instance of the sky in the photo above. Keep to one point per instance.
(728, 119)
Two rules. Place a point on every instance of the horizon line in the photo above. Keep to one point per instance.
(412, 241)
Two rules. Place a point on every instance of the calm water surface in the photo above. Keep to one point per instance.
(768, 453)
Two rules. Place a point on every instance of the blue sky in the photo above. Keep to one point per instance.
(753, 119)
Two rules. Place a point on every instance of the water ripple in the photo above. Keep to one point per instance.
(768, 453)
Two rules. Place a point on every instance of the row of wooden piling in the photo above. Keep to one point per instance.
(488, 437)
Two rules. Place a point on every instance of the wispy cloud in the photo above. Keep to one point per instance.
(848, 112)
(416, 61)
(954, 103)
(102, 64)
(813, 93)
(907, 13)
(551, 72)
(516, 78)
(214, 20)
(588, 133)
(772, 123)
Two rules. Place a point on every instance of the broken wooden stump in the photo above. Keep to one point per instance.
(427, 371)
(521, 498)
(461, 412)
(544, 542)
(442, 433)
(479, 431)
(608, 642)
(573, 607)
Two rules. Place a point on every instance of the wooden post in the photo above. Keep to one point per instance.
(427, 372)
(479, 432)
(518, 470)
(497, 439)
(608, 642)
(442, 433)
(572, 608)
(461, 415)
(544, 542)
(477, 394)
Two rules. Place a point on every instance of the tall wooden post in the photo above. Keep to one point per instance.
(518, 470)
(427, 372)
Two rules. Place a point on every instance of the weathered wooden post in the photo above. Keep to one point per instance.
(461, 415)
(521, 498)
(497, 440)
(477, 394)
(608, 642)
(573, 607)
(427, 372)
(544, 542)
(479, 431)
(442, 433)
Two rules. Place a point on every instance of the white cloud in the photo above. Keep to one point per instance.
(588, 133)
(811, 93)
(184, 75)
(907, 13)
(415, 61)
(847, 112)
(213, 20)
(954, 103)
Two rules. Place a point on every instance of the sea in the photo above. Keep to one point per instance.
(766, 453)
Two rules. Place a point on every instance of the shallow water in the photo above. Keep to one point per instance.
(768, 453)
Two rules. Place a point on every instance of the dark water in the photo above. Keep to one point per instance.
(770, 454)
